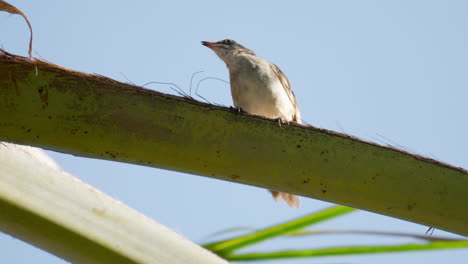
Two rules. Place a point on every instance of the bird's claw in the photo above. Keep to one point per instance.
(282, 121)
(237, 109)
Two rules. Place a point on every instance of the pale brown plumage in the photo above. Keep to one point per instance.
(258, 87)
(287, 87)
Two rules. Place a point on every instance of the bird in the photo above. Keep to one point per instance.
(258, 87)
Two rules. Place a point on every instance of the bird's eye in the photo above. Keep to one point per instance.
(227, 42)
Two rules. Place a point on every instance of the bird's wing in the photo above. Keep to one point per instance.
(287, 87)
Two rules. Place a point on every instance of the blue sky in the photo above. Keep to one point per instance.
(393, 72)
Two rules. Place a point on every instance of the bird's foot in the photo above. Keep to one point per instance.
(237, 109)
(282, 121)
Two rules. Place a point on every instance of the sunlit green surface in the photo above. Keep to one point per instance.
(96, 117)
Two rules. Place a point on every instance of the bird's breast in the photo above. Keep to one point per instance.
(258, 91)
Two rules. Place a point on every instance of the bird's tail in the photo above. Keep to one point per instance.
(291, 199)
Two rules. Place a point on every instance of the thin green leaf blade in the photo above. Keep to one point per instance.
(226, 246)
(353, 250)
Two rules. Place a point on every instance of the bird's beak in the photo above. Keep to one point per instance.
(210, 45)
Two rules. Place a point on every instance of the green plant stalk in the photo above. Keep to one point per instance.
(223, 247)
(47, 207)
(428, 238)
(58, 109)
(355, 250)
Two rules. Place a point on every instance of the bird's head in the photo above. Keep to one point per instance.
(227, 49)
